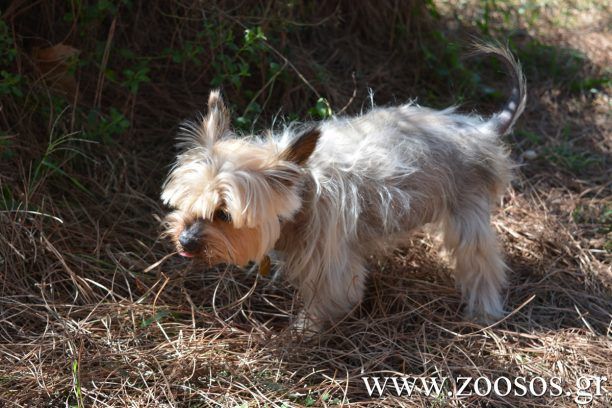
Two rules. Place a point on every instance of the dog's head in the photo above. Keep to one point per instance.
(230, 195)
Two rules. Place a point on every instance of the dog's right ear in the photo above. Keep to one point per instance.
(217, 121)
(206, 130)
(302, 146)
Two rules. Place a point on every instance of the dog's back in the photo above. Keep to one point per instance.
(374, 178)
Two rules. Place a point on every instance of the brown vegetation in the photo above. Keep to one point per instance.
(95, 312)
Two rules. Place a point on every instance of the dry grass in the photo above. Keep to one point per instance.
(93, 311)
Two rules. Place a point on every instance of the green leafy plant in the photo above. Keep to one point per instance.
(6, 147)
(101, 127)
(135, 77)
(157, 317)
(90, 14)
(190, 52)
(575, 159)
(237, 64)
(10, 82)
(321, 110)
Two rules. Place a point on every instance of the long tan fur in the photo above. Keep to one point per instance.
(327, 195)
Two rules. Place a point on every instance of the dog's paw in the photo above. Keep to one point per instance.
(305, 326)
(484, 317)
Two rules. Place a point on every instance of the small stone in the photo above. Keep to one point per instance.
(529, 154)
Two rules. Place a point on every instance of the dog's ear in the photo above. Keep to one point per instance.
(217, 121)
(206, 130)
(302, 146)
(284, 177)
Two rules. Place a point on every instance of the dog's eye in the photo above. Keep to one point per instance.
(222, 215)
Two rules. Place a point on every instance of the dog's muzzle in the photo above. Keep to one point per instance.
(191, 238)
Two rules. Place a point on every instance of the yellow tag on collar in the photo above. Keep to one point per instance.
(264, 266)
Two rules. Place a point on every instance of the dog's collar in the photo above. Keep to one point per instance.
(264, 266)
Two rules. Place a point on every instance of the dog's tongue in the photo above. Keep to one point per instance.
(186, 254)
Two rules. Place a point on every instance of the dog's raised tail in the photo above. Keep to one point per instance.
(503, 121)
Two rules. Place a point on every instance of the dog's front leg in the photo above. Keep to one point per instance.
(330, 290)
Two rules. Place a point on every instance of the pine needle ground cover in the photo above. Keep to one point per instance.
(96, 311)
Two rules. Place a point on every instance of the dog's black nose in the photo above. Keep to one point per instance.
(190, 237)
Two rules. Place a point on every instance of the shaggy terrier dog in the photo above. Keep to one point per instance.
(327, 195)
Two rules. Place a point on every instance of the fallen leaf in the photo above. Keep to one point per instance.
(54, 64)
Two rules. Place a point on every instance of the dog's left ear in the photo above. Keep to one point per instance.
(301, 148)
(282, 177)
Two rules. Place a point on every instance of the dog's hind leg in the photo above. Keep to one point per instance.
(480, 271)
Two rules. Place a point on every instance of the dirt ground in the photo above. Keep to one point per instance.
(95, 308)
